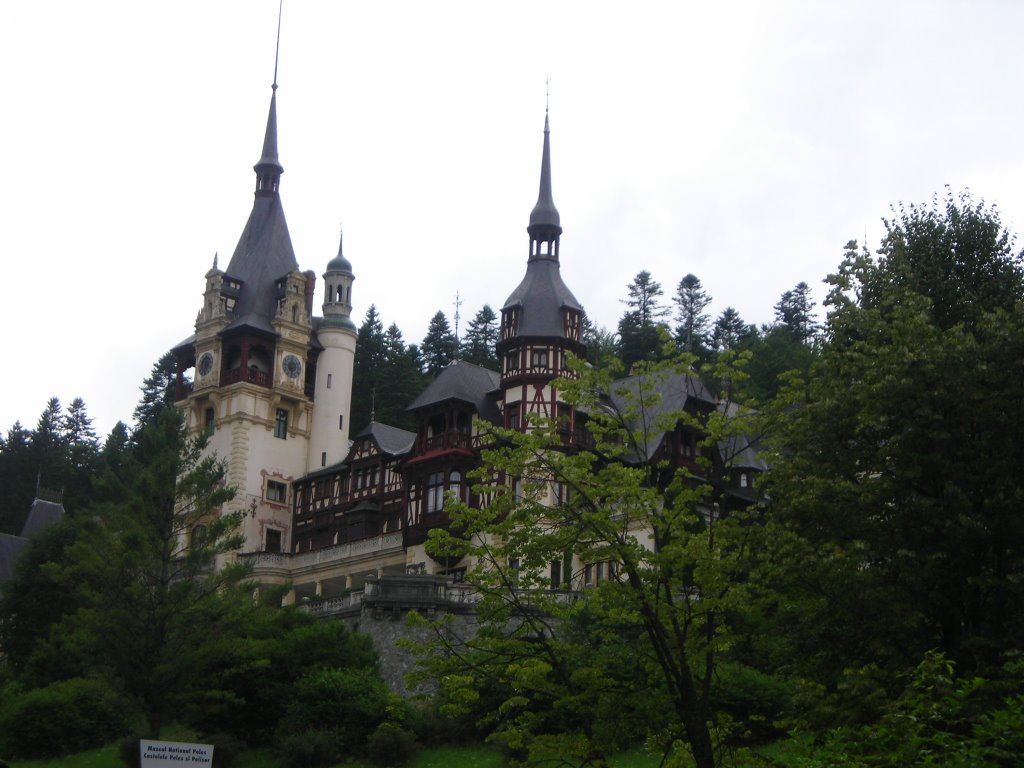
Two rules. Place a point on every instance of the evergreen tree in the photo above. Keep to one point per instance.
(691, 301)
(401, 381)
(481, 339)
(50, 447)
(602, 345)
(641, 330)
(17, 479)
(368, 369)
(795, 312)
(730, 330)
(83, 454)
(439, 346)
(158, 389)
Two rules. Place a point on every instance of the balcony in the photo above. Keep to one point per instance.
(252, 375)
(275, 562)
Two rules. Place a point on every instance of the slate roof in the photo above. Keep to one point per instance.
(392, 440)
(466, 382)
(674, 391)
(542, 295)
(41, 515)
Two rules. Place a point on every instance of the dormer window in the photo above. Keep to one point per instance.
(509, 323)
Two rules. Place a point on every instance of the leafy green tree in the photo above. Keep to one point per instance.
(481, 339)
(895, 472)
(674, 566)
(368, 369)
(955, 252)
(439, 346)
(691, 302)
(775, 352)
(795, 312)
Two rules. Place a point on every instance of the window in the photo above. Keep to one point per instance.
(323, 458)
(539, 358)
(198, 536)
(512, 361)
(455, 484)
(272, 540)
(556, 574)
(277, 491)
(210, 420)
(435, 492)
(328, 381)
(512, 413)
(281, 424)
(341, 421)
(744, 480)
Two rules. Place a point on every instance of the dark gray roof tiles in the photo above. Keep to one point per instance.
(41, 515)
(541, 296)
(666, 393)
(462, 381)
(391, 440)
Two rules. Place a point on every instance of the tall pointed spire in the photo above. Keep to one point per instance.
(545, 223)
(268, 168)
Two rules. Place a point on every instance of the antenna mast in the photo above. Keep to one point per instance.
(277, 47)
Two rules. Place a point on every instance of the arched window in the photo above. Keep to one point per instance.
(198, 537)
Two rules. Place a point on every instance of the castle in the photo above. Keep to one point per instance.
(271, 384)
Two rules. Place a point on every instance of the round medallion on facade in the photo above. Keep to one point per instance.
(205, 363)
(292, 366)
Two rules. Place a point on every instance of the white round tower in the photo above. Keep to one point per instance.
(332, 399)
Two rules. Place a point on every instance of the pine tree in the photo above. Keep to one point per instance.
(480, 342)
(368, 369)
(729, 330)
(640, 328)
(158, 389)
(17, 479)
(49, 446)
(691, 301)
(82, 453)
(400, 382)
(439, 346)
(795, 312)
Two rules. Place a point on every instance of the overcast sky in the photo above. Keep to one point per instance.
(743, 142)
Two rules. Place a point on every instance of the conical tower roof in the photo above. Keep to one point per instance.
(264, 253)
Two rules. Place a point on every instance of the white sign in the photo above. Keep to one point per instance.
(159, 754)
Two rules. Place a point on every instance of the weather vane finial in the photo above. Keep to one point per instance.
(277, 48)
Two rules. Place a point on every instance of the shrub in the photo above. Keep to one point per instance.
(391, 745)
(62, 718)
(339, 707)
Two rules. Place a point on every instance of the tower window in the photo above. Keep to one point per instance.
(323, 458)
(435, 492)
(210, 420)
(341, 421)
(539, 358)
(281, 424)
(328, 381)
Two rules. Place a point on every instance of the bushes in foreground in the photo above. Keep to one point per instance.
(62, 718)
